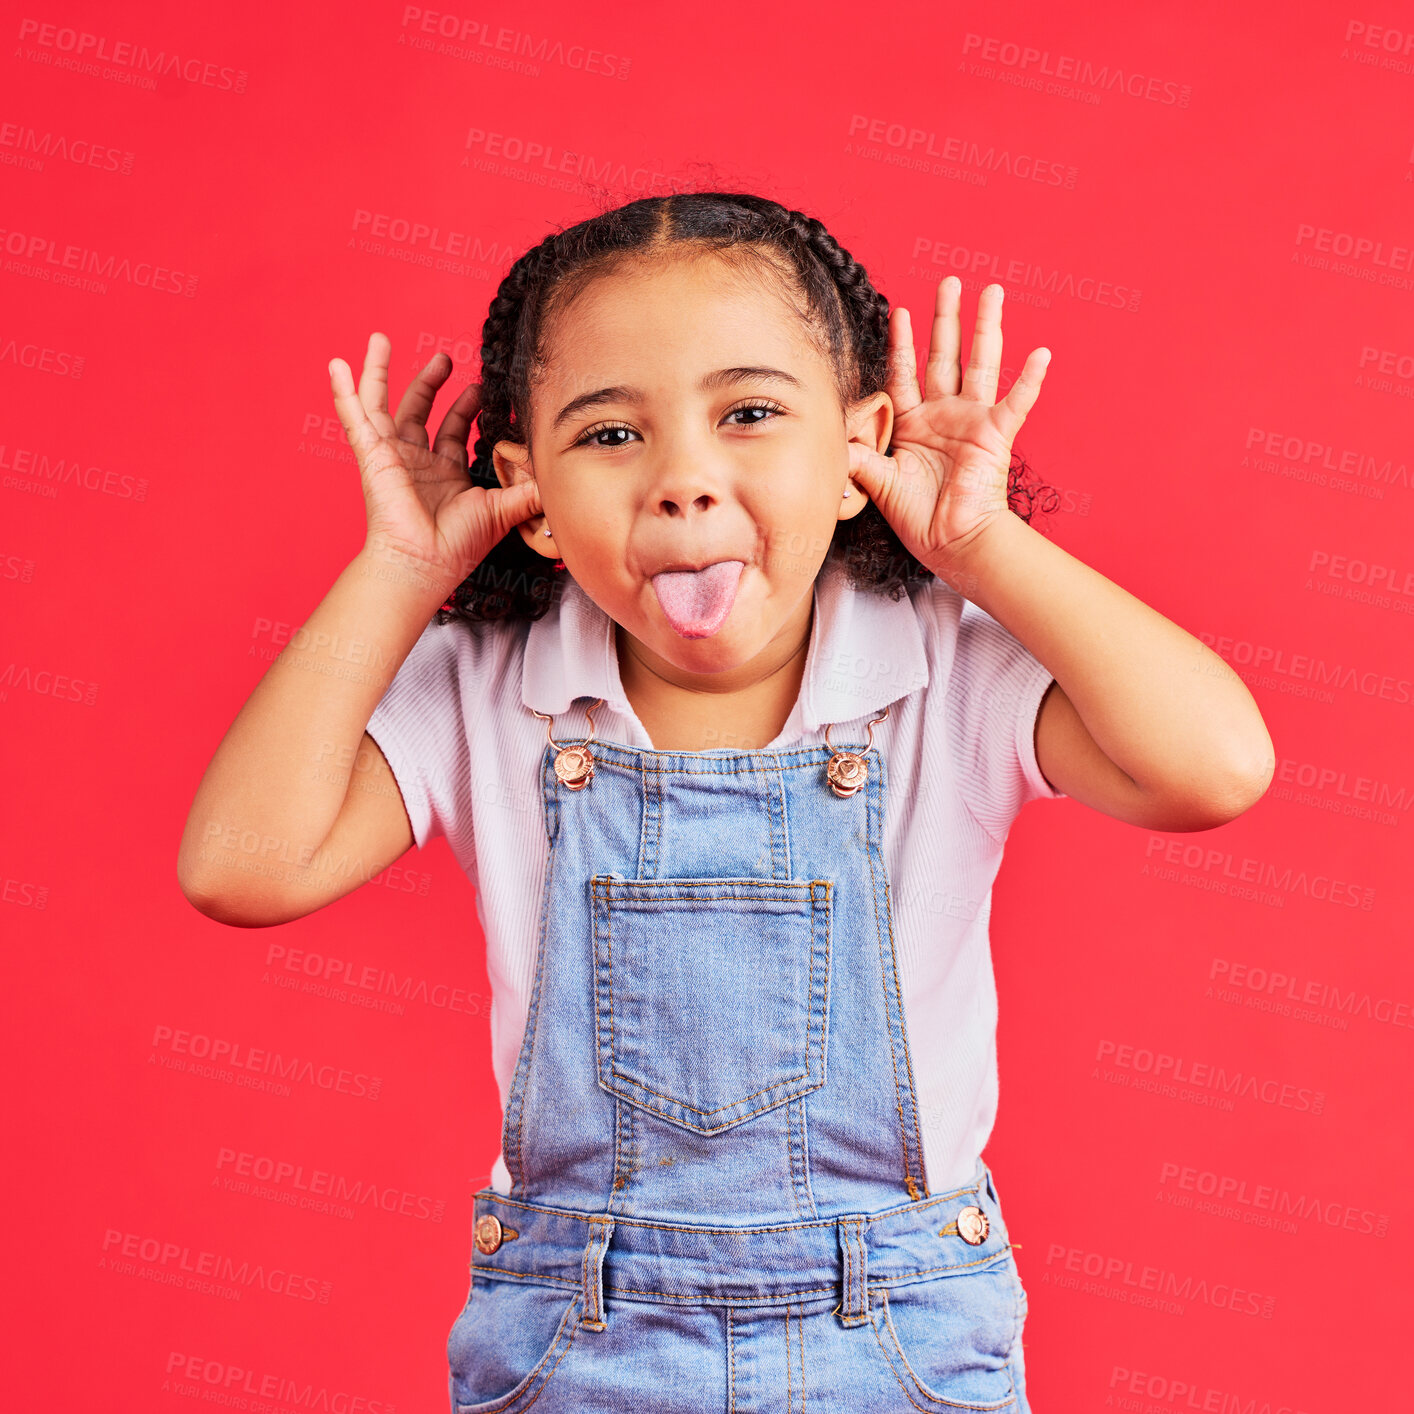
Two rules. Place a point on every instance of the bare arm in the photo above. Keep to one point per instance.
(1146, 723)
(298, 806)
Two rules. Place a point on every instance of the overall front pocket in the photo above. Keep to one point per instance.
(711, 995)
(508, 1343)
(950, 1340)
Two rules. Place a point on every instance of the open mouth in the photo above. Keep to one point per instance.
(696, 602)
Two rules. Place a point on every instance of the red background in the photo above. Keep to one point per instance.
(1175, 199)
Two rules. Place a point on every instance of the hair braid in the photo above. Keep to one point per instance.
(512, 578)
(865, 308)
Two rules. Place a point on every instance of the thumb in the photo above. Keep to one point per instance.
(516, 503)
(496, 510)
(872, 471)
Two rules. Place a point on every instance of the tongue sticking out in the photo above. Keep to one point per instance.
(697, 602)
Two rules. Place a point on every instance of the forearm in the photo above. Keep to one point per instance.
(1164, 707)
(278, 780)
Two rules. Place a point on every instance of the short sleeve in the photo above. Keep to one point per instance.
(420, 727)
(994, 695)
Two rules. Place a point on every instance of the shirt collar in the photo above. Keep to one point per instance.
(866, 651)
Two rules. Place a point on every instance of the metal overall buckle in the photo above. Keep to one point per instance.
(848, 771)
(574, 765)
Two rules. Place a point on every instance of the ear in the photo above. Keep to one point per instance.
(870, 422)
(511, 461)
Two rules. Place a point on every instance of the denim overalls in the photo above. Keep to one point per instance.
(719, 1201)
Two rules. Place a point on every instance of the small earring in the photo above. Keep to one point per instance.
(846, 490)
(547, 530)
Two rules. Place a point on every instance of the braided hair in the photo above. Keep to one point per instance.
(842, 311)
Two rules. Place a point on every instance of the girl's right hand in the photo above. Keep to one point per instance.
(422, 506)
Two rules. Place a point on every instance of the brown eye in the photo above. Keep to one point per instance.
(765, 407)
(586, 438)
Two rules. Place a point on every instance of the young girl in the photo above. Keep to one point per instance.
(743, 662)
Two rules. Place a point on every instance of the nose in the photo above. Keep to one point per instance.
(686, 486)
(681, 506)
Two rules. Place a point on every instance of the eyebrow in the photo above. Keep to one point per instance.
(720, 378)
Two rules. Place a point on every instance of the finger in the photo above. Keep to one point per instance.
(941, 373)
(373, 384)
(513, 504)
(533, 506)
(985, 362)
(358, 429)
(1011, 412)
(872, 472)
(456, 426)
(902, 385)
(411, 418)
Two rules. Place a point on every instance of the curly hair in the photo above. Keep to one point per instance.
(842, 312)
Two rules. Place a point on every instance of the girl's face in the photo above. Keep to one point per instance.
(685, 420)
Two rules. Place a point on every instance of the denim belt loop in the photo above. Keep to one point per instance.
(592, 1272)
(853, 1309)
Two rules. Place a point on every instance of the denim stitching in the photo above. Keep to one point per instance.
(807, 1177)
(650, 862)
(894, 995)
(593, 1259)
(935, 1401)
(790, 1393)
(902, 1279)
(731, 1365)
(642, 1089)
(615, 1186)
(905, 1209)
(851, 1275)
(888, 1001)
(774, 1298)
(800, 1344)
(791, 1166)
(614, 756)
(589, 1314)
(780, 826)
(631, 906)
(903, 1023)
(635, 1144)
(608, 881)
(521, 1080)
(605, 1048)
(603, 889)
(798, 1153)
(862, 1269)
(861, 1272)
(539, 1385)
(854, 1256)
(842, 1240)
(823, 907)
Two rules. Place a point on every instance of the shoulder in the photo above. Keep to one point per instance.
(962, 639)
(938, 611)
(991, 692)
(439, 713)
(461, 651)
(452, 668)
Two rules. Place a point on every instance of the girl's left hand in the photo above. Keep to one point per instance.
(946, 477)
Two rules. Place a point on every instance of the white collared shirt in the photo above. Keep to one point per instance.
(963, 694)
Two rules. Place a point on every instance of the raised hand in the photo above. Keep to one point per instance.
(946, 477)
(421, 505)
